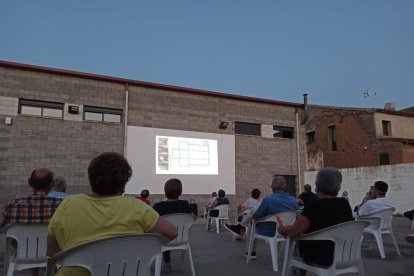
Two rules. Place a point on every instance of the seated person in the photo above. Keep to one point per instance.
(220, 200)
(329, 210)
(210, 202)
(173, 190)
(144, 196)
(104, 212)
(307, 196)
(250, 205)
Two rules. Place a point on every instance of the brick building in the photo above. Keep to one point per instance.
(62, 119)
(358, 137)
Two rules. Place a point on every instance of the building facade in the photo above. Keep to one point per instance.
(358, 137)
(62, 119)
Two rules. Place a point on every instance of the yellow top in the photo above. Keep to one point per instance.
(81, 218)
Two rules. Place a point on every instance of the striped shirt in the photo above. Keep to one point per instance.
(35, 208)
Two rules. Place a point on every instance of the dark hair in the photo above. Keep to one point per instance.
(307, 187)
(108, 173)
(221, 193)
(255, 193)
(145, 193)
(41, 178)
(173, 188)
(381, 186)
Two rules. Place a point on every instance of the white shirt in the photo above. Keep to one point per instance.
(251, 203)
(375, 205)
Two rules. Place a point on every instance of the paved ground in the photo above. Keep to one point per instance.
(217, 254)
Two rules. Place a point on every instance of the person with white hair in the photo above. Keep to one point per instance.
(329, 210)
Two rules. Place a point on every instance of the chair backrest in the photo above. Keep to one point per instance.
(223, 210)
(287, 217)
(347, 237)
(384, 217)
(114, 256)
(182, 222)
(31, 240)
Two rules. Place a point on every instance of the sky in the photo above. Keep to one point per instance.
(333, 50)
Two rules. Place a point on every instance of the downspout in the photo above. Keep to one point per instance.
(126, 119)
(298, 151)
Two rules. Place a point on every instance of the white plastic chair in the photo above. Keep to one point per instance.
(124, 255)
(222, 216)
(381, 223)
(287, 217)
(347, 253)
(31, 247)
(183, 223)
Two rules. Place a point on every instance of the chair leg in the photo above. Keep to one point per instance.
(360, 268)
(250, 248)
(190, 256)
(158, 263)
(10, 271)
(273, 253)
(378, 238)
(395, 243)
(218, 225)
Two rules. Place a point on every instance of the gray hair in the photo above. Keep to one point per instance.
(60, 184)
(278, 183)
(328, 181)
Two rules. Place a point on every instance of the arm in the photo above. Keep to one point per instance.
(214, 204)
(52, 246)
(299, 227)
(164, 228)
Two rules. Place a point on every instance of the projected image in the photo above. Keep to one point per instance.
(179, 155)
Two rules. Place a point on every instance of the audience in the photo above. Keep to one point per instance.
(329, 210)
(251, 204)
(104, 212)
(144, 196)
(307, 196)
(210, 202)
(279, 201)
(59, 188)
(173, 190)
(378, 201)
(345, 195)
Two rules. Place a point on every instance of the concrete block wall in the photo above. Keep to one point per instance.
(357, 181)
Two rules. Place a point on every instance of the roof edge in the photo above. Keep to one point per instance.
(71, 73)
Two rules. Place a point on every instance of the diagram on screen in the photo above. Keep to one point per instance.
(180, 155)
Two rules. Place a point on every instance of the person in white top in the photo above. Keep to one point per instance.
(379, 202)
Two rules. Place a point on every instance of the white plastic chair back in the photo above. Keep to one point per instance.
(31, 247)
(222, 216)
(124, 255)
(381, 223)
(347, 253)
(183, 223)
(287, 217)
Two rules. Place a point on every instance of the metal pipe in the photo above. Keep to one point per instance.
(126, 118)
(298, 151)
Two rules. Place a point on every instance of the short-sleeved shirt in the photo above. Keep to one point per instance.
(308, 197)
(251, 203)
(35, 208)
(275, 203)
(172, 207)
(81, 218)
(322, 214)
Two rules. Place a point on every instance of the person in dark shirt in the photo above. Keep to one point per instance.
(220, 200)
(329, 210)
(307, 196)
(173, 189)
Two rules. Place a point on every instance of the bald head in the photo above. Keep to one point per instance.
(278, 184)
(41, 179)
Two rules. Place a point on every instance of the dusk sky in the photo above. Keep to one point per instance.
(333, 50)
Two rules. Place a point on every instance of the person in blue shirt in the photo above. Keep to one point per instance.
(277, 202)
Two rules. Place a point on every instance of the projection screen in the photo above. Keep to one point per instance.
(204, 162)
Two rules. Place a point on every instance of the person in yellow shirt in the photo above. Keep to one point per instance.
(104, 212)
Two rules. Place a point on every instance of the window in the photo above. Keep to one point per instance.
(102, 114)
(247, 128)
(311, 136)
(282, 132)
(384, 158)
(332, 137)
(386, 128)
(41, 108)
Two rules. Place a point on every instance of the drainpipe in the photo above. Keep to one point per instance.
(298, 151)
(305, 107)
(126, 119)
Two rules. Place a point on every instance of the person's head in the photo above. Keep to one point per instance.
(380, 188)
(307, 188)
(173, 188)
(108, 174)
(145, 193)
(328, 181)
(278, 184)
(41, 180)
(255, 193)
(221, 193)
(213, 194)
(59, 184)
(344, 193)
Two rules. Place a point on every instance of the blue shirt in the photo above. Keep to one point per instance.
(56, 194)
(275, 203)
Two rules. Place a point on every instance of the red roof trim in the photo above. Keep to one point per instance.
(71, 73)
